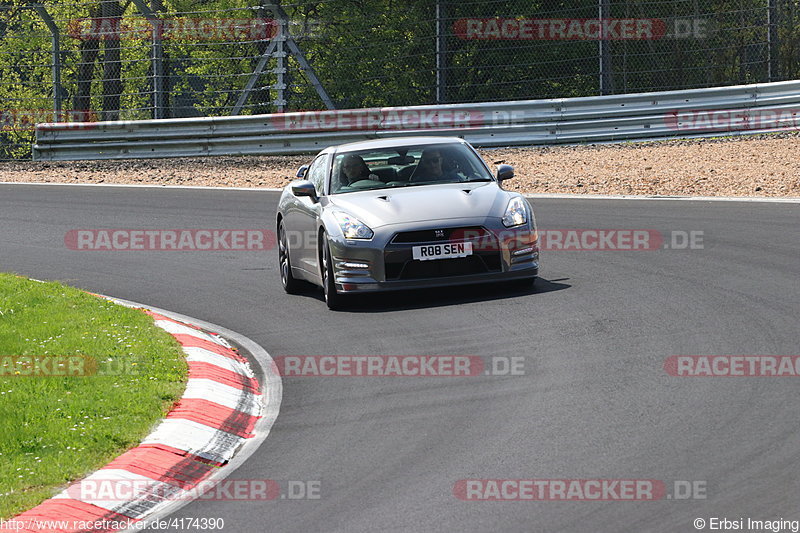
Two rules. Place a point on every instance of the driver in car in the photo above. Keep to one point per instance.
(431, 167)
(355, 169)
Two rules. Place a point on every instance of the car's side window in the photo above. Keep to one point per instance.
(317, 172)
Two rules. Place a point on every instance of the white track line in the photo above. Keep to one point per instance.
(558, 196)
(145, 186)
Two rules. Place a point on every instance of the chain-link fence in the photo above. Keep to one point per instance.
(140, 59)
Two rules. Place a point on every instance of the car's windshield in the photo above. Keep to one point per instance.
(404, 167)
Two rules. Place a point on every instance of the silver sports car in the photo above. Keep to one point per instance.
(403, 213)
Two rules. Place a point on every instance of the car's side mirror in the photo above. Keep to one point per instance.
(505, 172)
(301, 172)
(304, 188)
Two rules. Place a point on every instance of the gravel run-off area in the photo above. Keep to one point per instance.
(759, 165)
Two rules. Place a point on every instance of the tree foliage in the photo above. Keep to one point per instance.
(370, 53)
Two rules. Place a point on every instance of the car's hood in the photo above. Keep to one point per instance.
(424, 202)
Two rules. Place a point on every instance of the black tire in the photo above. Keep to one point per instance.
(333, 299)
(290, 284)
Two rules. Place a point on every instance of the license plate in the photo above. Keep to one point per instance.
(442, 251)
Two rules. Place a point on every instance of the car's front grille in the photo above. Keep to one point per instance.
(441, 235)
(399, 263)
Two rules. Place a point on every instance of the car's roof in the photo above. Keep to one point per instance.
(395, 142)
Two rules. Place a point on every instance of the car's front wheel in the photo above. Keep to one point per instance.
(333, 299)
(290, 284)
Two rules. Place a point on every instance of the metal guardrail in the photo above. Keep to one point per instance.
(696, 112)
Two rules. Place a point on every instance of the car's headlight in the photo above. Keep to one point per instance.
(352, 227)
(516, 213)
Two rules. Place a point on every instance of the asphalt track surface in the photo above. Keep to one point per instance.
(594, 401)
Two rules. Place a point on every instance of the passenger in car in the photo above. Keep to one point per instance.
(355, 169)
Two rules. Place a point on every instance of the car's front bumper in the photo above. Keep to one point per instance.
(384, 264)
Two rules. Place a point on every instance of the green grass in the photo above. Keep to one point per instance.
(56, 429)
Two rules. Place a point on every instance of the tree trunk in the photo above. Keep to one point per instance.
(82, 101)
(112, 81)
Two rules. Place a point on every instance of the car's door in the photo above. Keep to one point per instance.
(302, 219)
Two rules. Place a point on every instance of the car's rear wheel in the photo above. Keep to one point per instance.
(290, 284)
(333, 299)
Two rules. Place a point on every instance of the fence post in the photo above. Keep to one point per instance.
(441, 51)
(159, 95)
(280, 70)
(772, 39)
(157, 58)
(606, 79)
